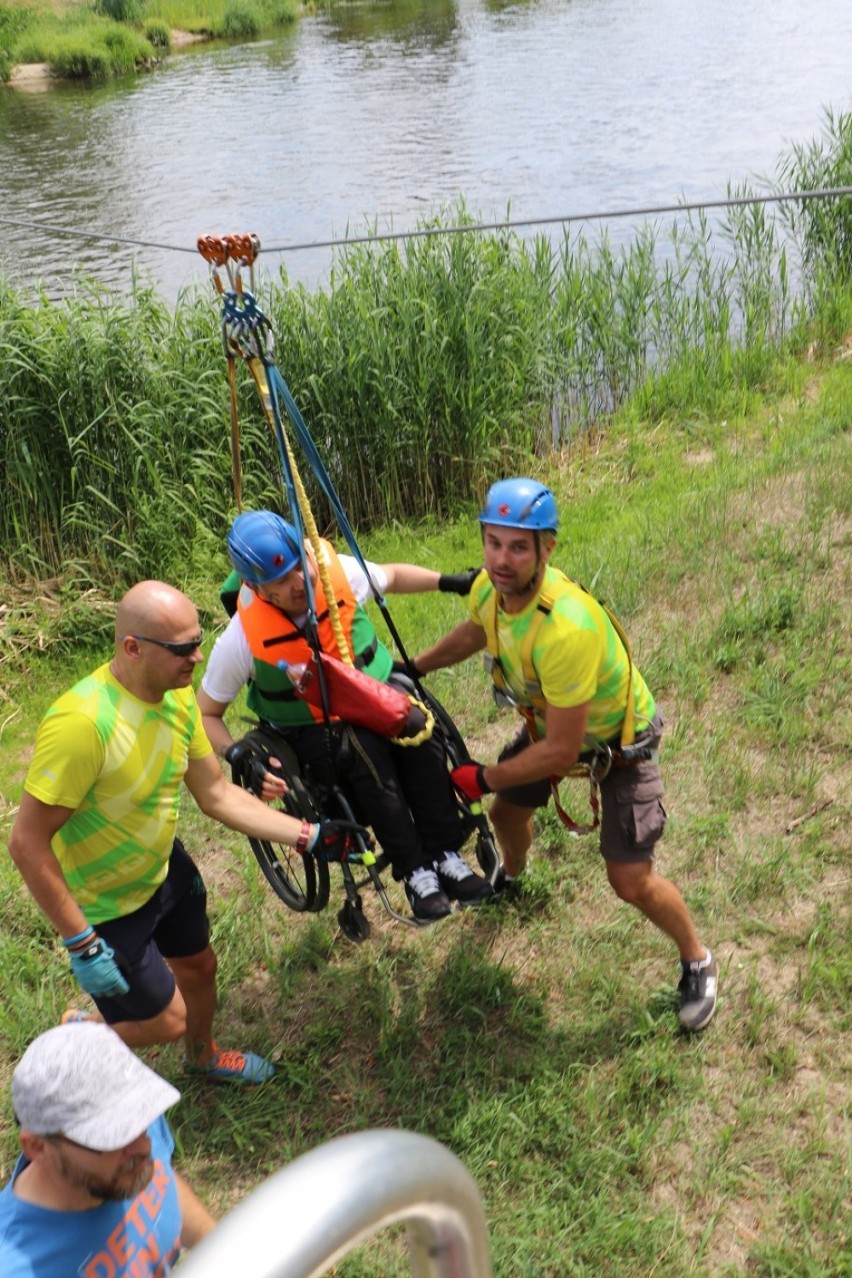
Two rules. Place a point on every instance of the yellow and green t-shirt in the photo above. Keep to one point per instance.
(577, 655)
(119, 763)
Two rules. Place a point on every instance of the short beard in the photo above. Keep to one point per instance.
(114, 1190)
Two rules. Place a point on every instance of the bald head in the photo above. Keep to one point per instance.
(157, 640)
(154, 608)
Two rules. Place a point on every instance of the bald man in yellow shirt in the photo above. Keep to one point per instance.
(95, 836)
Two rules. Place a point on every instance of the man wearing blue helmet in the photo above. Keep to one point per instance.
(562, 661)
(404, 793)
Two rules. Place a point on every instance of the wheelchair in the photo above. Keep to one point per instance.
(303, 882)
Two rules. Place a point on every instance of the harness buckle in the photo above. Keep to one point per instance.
(504, 698)
(600, 765)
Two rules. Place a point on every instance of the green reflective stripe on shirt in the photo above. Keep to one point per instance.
(118, 763)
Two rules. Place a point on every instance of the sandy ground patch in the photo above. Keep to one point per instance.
(34, 77)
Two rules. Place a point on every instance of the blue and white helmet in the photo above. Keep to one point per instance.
(262, 546)
(520, 503)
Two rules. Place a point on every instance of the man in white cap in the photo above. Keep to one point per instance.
(93, 1193)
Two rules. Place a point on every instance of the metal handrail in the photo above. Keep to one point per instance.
(312, 1212)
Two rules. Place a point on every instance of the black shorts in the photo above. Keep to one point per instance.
(172, 924)
(632, 814)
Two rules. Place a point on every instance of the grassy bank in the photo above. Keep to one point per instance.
(99, 38)
(537, 1038)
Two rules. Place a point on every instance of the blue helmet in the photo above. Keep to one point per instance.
(262, 546)
(520, 503)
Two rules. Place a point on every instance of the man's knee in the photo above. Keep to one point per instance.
(631, 881)
(166, 1027)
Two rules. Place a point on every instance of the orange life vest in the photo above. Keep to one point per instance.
(275, 641)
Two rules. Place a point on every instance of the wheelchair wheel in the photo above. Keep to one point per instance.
(301, 882)
(354, 926)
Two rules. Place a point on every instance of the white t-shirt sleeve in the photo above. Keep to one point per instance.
(230, 664)
(357, 578)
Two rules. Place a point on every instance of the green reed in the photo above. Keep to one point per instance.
(425, 368)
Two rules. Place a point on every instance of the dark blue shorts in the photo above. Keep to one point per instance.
(172, 924)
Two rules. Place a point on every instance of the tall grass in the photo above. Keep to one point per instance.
(423, 370)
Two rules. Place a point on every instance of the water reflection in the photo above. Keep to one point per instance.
(380, 113)
(412, 22)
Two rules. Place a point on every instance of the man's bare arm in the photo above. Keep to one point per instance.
(29, 847)
(196, 1221)
(219, 736)
(235, 807)
(459, 644)
(551, 757)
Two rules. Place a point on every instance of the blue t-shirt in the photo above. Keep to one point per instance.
(136, 1238)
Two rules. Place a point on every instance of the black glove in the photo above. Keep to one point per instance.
(414, 724)
(247, 769)
(458, 583)
(406, 668)
(336, 839)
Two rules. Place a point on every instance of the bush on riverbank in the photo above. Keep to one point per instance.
(423, 370)
(92, 51)
(117, 36)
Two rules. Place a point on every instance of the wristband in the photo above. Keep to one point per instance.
(81, 936)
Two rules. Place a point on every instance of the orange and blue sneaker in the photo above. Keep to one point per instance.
(74, 1016)
(245, 1068)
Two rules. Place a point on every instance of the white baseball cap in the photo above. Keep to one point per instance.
(81, 1081)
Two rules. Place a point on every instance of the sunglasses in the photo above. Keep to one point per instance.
(185, 649)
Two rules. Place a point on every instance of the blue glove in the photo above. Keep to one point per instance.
(97, 971)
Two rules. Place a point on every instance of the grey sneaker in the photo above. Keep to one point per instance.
(426, 897)
(459, 881)
(698, 994)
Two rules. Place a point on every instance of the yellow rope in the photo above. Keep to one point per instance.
(425, 732)
(258, 372)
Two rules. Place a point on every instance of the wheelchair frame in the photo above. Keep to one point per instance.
(303, 882)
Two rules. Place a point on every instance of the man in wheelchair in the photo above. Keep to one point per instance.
(403, 792)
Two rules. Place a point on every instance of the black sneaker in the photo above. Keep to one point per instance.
(427, 899)
(698, 994)
(459, 881)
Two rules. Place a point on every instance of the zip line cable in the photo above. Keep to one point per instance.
(650, 210)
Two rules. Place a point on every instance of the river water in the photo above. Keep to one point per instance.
(382, 113)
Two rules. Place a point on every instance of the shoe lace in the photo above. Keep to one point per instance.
(423, 882)
(230, 1060)
(690, 984)
(453, 867)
